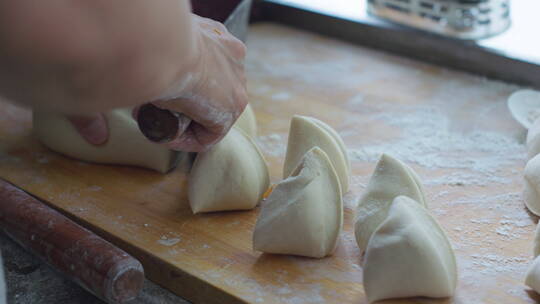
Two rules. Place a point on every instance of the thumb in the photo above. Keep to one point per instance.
(93, 128)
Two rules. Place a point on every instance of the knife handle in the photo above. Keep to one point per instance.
(160, 125)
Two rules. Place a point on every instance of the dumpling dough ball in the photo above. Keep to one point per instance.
(532, 185)
(390, 179)
(308, 132)
(247, 122)
(409, 255)
(304, 214)
(232, 175)
(126, 144)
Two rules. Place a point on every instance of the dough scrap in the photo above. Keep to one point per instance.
(532, 185)
(308, 132)
(304, 213)
(409, 255)
(532, 279)
(232, 175)
(390, 179)
(126, 144)
(247, 122)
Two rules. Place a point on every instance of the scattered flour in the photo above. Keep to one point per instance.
(281, 96)
(94, 188)
(273, 144)
(428, 141)
(168, 242)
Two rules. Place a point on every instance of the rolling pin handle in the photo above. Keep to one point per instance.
(93, 263)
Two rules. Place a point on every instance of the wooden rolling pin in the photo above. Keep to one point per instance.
(90, 261)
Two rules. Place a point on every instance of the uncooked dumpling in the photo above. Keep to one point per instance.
(390, 179)
(304, 214)
(532, 185)
(524, 105)
(536, 248)
(126, 144)
(308, 132)
(409, 255)
(232, 175)
(533, 139)
(247, 122)
(533, 275)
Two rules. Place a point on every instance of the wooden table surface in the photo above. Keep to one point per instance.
(452, 128)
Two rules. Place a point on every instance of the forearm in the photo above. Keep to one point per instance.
(80, 56)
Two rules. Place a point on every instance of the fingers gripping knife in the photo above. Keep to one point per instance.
(162, 126)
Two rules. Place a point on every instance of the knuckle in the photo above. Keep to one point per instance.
(238, 48)
(241, 98)
(221, 27)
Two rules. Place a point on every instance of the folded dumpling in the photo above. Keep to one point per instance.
(533, 139)
(247, 122)
(532, 278)
(232, 175)
(532, 185)
(308, 132)
(390, 179)
(304, 213)
(536, 248)
(409, 255)
(524, 106)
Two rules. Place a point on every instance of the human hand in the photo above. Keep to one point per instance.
(211, 91)
(93, 128)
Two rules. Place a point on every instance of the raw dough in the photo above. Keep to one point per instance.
(409, 255)
(391, 178)
(532, 185)
(304, 214)
(232, 175)
(308, 132)
(247, 122)
(126, 144)
(533, 139)
(524, 105)
(533, 275)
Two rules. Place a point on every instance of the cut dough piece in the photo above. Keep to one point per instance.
(126, 144)
(536, 249)
(390, 179)
(532, 185)
(247, 122)
(409, 255)
(304, 214)
(524, 105)
(232, 175)
(308, 132)
(533, 139)
(532, 278)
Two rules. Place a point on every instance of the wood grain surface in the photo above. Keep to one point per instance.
(452, 128)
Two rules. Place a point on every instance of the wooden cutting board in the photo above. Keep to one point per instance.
(452, 128)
